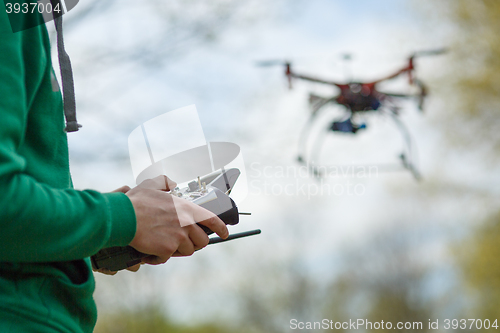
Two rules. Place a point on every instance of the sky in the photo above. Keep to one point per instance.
(252, 106)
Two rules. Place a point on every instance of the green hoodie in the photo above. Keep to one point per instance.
(48, 230)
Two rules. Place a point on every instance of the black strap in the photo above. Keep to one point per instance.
(68, 85)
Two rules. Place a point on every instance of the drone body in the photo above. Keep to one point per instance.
(356, 98)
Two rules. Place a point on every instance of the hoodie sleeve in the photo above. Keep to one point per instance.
(40, 222)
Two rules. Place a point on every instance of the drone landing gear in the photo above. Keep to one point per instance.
(410, 167)
(407, 158)
(317, 104)
(344, 126)
(347, 126)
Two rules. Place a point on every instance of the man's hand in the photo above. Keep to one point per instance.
(166, 225)
(135, 268)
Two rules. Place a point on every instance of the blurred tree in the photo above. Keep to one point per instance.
(482, 269)
(124, 55)
(285, 292)
(149, 319)
(151, 33)
(384, 280)
(281, 286)
(473, 96)
(473, 121)
(388, 279)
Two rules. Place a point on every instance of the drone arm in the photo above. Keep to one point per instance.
(407, 69)
(291, 75)
(410, 67)
(385, 94)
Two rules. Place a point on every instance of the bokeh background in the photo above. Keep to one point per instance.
(395, 250)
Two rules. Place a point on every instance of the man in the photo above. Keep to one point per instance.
(48, 230)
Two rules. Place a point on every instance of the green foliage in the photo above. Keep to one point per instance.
(478, 23)
(473, 99)
(150, 319)
(382, 281)
(475, 122)
(480, 259)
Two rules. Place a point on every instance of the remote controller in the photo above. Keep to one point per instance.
(210, 192)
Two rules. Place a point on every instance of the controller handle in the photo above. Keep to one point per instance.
(120, 257)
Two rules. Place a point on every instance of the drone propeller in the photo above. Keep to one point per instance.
(286, 63)
(274, 62)
(426, 53)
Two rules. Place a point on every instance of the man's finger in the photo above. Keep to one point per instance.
(123, 189)
(170, 183)
(199, 215)
(154, 260)
(105, 271)
(216, 225)
(134, 268)
(162, 183)
(198, 237)
(185, 248)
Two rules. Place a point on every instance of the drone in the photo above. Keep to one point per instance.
(359, 98)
